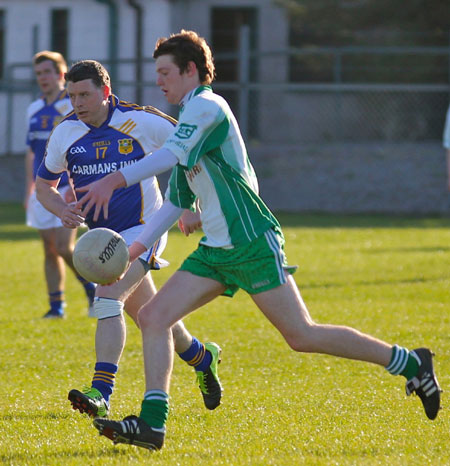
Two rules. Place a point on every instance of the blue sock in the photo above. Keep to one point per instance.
(103, 380)
(197, 356)
(56, 300)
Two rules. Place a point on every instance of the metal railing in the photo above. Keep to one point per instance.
(272, 109)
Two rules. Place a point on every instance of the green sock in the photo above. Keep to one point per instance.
(403, 363)
(155, 408)
(411, 368)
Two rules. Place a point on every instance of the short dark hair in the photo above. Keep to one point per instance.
(187, 46)
(89, 69)
(55, 57)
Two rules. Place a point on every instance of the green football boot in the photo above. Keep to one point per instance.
(208, 380)
(89, 401)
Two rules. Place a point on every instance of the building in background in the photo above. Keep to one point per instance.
(283, 86)
(121, 34)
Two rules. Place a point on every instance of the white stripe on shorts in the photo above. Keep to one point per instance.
(274, 245)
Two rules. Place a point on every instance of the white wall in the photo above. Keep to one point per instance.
(89, 39)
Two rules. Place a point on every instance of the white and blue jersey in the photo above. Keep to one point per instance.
(41, 119)
(89, 153)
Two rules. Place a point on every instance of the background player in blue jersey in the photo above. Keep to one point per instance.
(243, 246)
(42, 116)
(102, 135)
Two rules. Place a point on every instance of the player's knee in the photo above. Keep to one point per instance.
(300, 341)
(106, 307)
(65, 252)
(152, 318)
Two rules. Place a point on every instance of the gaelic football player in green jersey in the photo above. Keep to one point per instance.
(242, 246)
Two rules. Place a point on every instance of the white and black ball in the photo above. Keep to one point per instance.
(101, 256)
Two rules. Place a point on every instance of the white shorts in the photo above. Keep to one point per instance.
(446, 135)
(39, 217)
(151, 256)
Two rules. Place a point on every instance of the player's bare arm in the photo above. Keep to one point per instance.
(52, 200)
(99, 193)
(135, 250)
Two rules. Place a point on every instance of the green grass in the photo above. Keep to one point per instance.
(386, 276)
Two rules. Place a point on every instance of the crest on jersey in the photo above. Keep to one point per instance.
(185, 131)
(125, 146)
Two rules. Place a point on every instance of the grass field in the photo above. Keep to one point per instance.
(386, 276)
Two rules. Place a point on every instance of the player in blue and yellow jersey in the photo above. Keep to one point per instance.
(42, 116)
(102, 135)
(243, 245)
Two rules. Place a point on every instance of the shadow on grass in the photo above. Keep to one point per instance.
(18, 234)
(12, 221)
(11, 213)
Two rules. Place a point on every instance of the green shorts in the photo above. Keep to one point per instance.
(255, 267)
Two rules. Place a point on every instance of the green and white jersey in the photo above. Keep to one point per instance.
(214, 167)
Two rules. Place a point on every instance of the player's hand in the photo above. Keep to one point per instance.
(189, 222)
(69, 196)
(71, 216)
(99, 193)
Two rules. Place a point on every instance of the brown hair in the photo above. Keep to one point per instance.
(55, 57)
(89, 69)
(187, 46)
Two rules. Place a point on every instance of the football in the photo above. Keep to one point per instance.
(101, 256)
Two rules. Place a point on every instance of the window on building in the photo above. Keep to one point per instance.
(60, 31)
(226, 23)
(2, 43)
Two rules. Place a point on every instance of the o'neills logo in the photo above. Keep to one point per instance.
(109, 251)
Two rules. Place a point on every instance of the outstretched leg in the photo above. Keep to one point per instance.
(284, 307)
